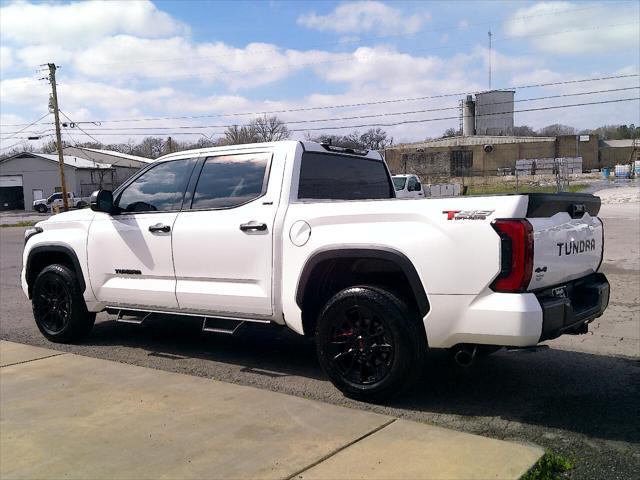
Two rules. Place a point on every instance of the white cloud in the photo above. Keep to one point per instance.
(76, 94)
(6, 58)
(35, 55)
(570, 28)
(363, 17)
(177, 58)
(81, 23)
(501, 63)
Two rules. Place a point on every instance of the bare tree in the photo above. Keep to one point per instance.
(376, 139)
(372, 139)
(237, 135)
(556, 129)
(150, 147)
(269, 129)
(450, 132)
(524, 131)
(49, 147)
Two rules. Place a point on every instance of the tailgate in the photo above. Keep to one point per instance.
(568, 237)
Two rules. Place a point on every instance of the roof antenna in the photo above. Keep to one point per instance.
(490, 35)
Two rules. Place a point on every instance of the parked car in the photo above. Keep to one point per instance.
(310, 237)
(45, 204)
(407, 186)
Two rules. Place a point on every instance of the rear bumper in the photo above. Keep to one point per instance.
(569, 308)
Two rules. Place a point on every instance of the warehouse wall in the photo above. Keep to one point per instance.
(38, 174)
(504, 155)
(571, 146)
(611, 156)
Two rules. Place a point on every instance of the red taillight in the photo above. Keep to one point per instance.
(517, 255)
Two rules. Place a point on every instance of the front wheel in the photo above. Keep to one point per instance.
(58, 306)
(369, 343)
(41, 208)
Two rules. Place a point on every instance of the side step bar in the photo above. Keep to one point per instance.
(222, 325)
(226, 325)
(126, 317)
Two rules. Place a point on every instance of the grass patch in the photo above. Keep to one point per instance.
(549, 467)
(19, 224)
(511, 188)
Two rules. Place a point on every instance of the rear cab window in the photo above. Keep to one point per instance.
(331, 176)
(229, 181)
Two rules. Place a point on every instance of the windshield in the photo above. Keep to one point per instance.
(399, 183)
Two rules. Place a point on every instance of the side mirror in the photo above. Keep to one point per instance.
(49, 201)
(102, 201)
(417, 187)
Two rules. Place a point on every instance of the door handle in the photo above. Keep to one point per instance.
(253, 226)
(159, 227)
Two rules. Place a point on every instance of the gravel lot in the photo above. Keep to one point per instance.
(579, 397)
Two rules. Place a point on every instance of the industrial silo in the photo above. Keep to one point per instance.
(494, 113)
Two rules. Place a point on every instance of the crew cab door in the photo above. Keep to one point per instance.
(129, 252)
(223, 240)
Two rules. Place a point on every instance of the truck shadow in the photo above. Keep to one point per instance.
(584, 393)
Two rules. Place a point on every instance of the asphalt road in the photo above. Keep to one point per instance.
(578, 398)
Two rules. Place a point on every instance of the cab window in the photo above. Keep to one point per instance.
(231, 180)
(159, 189)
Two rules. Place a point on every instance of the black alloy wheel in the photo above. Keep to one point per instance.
(52, 305)
(58, 305)
(360, 348)
(369, 343)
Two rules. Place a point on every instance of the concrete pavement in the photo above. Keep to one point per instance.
(65, 415)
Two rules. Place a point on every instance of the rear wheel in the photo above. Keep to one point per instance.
(58, 306)
(369, 343)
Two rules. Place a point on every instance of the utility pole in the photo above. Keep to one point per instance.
(56, 114)
(490, 35)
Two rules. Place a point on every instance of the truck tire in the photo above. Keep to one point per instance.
(369, 343)
(58, 306)
(41, 208)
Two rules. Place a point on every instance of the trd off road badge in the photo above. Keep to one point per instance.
(467, 214)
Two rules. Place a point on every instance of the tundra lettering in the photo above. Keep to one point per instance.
(313, 237)
(573, 247)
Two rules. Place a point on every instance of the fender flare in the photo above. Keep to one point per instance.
(68, 251)
(378, 253)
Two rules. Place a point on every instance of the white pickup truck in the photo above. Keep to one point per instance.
(407, 186)
(311, 237)
(55, 200)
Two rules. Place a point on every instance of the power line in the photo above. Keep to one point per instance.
(79, 128)
(22, 142)
(316, 120)
(341, 127)
(23, 129)
(481, 115)
(377, 102)
(355, 105)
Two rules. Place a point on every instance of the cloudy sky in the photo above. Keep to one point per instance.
(133, 61)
